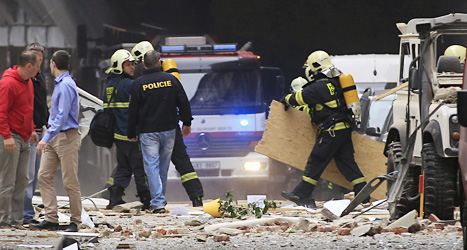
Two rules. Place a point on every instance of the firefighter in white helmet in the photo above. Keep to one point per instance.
(457, 51)
(129, 157)
(297, 85)
(180, 157)
(328, 110)
(138, 52)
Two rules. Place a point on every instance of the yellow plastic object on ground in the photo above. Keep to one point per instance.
(212, 208)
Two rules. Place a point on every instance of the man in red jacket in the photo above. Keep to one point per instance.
(16, 128)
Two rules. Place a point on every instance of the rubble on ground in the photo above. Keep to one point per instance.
(127, 226)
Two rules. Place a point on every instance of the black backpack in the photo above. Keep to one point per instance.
(101, 129)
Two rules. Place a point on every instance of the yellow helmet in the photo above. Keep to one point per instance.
(140, 49)
(297, 84)
(457, 51)
(319, 61)
(117, 60)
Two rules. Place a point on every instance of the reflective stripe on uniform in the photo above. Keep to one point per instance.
(358, 181)
(332, 104)
(110, 181)
(309, 180)
(299, 98)
(287, 98)
(117, 105)
(188, 177)
(339, 126)
(120, 137)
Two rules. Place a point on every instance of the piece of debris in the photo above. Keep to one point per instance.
(193, 223)
(303, 224)
(405, 221)
(201, 237)
(360, 231)
(329, 215)
(221, 238)
(434, 218)
(125, 208)
(230, 231)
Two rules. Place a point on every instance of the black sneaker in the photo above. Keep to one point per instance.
(45, 225)
(159, 211)
(197, 202)
(72, 228)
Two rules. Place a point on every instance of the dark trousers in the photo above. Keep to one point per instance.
(130, 162)
(181, 160)
(339, 147)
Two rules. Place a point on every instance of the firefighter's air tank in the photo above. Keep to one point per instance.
(170, 66)
(350, 93)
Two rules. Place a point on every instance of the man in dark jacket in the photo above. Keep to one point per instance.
(334, 139)
(40, 116)
(180, 157)
(129, 156)
(155, 97)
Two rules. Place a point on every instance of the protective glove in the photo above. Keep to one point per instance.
(286, 105)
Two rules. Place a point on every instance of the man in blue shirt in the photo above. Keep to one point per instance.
(60, 145)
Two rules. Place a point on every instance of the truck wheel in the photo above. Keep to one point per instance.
(410, 199)
(394, 157)
(440, 183)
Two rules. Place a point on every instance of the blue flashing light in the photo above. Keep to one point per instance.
(244, 123)
(225, 47)
(172, 48)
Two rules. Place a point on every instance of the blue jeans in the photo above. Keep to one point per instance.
(157, 150)
(34, 163)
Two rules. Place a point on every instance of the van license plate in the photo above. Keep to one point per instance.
(206, 165)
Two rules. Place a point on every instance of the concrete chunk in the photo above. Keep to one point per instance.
(360, 231)
(230, 231)
(405, 221)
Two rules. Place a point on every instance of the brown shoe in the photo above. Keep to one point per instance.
(19, 227)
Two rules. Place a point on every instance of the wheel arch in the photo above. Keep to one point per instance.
(432, 133)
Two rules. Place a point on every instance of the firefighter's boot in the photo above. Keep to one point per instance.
(197, 202)
(116, 193)
(145, 198)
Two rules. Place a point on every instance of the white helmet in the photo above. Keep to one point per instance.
(117, 60)
(457, 51)
(319, 61)
(140, 49)
(297, 84)
(308, 73)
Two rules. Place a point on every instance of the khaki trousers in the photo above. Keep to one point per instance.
(13, 181)
(62, 149)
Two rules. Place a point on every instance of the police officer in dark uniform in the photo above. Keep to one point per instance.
(129, 156)
(328, 110)
(180, 157)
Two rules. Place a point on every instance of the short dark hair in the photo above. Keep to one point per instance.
(35, 47)
(27, 56)
(61, 59)
(151, 58)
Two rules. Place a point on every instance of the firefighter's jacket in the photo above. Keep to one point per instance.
(323, 98)
(120, 102)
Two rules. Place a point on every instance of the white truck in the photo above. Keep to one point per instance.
(424, 137)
